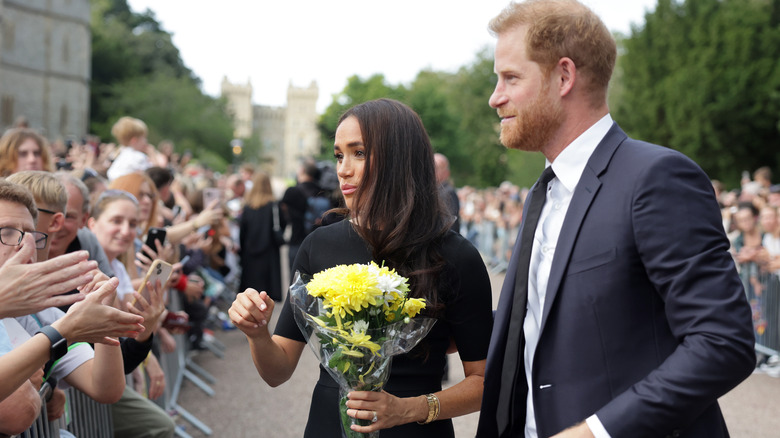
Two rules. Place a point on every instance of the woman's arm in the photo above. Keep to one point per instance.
(210, 216)
(275, 357)
(460, 399)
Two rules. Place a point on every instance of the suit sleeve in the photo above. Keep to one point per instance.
(681, 242)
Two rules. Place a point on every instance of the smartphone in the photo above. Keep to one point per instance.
(159, 270)
(210, 194)
(154, 234)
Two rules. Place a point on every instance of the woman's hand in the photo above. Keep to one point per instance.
(145, 257)
(389, 410)
(167, 341)
(195, 287)
(151, 310)
(156, 377)
(251, 311)
(211, 215)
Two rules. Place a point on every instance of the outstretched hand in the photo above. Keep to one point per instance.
(31, 287)
(92, 321)
(251, 311)
(150, 310)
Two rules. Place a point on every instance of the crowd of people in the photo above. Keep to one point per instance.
(78, 227)
(623, 312)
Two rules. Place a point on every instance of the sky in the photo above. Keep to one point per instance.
(273, 44)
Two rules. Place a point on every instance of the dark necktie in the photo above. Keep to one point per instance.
(513, 387)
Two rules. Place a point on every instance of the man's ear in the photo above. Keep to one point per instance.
(567, 72)
(57, 221)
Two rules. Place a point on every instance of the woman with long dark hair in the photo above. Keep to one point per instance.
(393, 215)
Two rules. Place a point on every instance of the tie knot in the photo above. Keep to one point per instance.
(547, 176)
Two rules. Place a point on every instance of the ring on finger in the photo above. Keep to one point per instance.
(374, 420)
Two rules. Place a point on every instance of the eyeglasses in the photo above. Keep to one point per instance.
(13, 237)
(46, 211)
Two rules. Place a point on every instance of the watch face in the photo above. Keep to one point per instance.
(59, 349)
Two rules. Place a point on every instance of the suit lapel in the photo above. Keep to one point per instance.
(582, 198)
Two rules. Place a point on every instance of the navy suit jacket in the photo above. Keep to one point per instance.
(645, 322)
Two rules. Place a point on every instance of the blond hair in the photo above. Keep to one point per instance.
(132, 183)
(126, 128)
(44, 186)
(261, 193)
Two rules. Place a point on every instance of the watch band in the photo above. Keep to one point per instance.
(59, 345)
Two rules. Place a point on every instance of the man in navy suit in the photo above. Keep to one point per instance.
(627, 318)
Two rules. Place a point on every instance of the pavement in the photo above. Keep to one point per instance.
(245, 406)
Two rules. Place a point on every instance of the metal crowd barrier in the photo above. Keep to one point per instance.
(87, 418)
(763, 294)
(179, 366)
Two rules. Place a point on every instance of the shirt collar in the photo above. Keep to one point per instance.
(571, 162)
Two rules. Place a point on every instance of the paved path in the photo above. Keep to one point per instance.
(244, 406)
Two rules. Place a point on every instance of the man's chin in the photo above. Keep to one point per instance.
(518, 145)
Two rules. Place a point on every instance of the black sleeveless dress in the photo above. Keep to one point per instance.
(467, 318)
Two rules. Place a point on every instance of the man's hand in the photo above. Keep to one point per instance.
(55, 407)
(92, 321)
(27, 288)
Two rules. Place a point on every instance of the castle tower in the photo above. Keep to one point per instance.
(239, 104)
(301, 138)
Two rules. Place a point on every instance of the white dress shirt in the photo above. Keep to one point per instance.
(568, 167)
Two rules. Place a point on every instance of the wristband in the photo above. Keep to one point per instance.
(433, 408)
(59, 345)
(181, 285)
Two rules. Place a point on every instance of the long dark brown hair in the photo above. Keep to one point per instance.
(398, 195)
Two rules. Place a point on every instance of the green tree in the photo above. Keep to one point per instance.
(702, 76)
(454, 109)
(356, 91)
(137, 71)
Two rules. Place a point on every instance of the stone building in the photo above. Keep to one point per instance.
(286, 134)
(45, 53)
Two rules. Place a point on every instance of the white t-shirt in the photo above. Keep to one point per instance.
(128, 161)
(5, 342)
(22, 328)
(125, 283)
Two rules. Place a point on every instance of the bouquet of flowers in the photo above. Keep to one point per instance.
(361, 316)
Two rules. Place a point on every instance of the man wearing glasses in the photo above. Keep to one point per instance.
(88, 321)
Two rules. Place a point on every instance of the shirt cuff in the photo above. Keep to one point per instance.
(596, 428)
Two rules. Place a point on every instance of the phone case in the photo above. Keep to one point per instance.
(159, 270)
(210, 194)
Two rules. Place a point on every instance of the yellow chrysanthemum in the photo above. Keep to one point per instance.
(412, 306)
(360, 339)
(345, 289)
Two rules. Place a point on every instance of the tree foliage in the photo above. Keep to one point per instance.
(454, 109)
(137, 71)
(702, 76)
